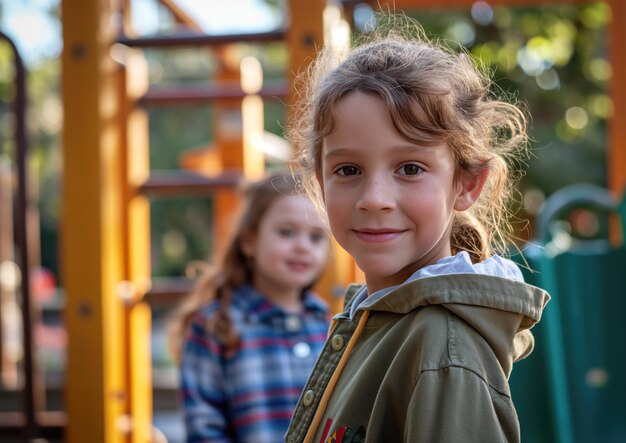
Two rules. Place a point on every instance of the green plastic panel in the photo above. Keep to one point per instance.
(572, 389)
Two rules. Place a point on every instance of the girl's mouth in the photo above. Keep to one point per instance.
(298, 266)
(377, 235)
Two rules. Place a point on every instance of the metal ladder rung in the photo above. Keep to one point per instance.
(182, 39)
(204, 93)
(168, 291)
(167, 183)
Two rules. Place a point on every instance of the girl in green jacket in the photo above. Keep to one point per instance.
(410, 155)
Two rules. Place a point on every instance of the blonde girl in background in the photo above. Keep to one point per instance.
(249, 334)
(409, 153)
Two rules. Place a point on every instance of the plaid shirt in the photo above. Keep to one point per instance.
(249, 396)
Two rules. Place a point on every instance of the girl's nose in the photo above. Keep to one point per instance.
(375, 195)
(303, 241)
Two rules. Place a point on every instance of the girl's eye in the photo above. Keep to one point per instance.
(410, 169)
(286, 232)
(317, 237)
(348, 170)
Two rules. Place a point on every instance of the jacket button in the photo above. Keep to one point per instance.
(337, 342)
(307, 400)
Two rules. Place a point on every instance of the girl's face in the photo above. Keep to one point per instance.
(289, 250)
(390, 202)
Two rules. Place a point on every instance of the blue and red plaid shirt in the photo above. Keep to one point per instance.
(249, 396)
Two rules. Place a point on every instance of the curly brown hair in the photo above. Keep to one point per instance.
(433, 94)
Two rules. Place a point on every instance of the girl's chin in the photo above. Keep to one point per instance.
(378, 269)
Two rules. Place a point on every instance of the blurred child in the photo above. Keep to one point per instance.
(409, 153)
(249, 334)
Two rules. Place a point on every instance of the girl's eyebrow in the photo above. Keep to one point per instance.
(406, 148)
(339, 152)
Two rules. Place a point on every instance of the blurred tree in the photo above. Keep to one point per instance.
(554, 59)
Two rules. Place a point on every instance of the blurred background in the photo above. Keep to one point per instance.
(196, 92)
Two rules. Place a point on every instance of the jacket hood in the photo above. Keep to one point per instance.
(500, 309)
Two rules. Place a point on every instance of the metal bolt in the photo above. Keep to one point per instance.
(308, 39)
(79, 51)
(84, 309)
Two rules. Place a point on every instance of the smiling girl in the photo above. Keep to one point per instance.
(406, 150)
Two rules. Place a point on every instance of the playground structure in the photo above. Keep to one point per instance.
(108, 185)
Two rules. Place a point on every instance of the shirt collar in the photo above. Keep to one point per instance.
(256, 304)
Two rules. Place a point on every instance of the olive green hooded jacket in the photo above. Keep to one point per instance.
(428, 362)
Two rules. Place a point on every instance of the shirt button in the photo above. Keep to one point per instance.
(307, 400)
(292, 323)
(302, 349)
(337, 342)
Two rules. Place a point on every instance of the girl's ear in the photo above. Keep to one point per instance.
(471, 187)
(247, 244)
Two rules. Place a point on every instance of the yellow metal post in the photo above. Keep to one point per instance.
(90, 226)
(314, 24)
(306, 34)
(135, 244)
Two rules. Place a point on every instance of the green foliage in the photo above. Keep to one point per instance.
(181, 232)
(554, 60)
